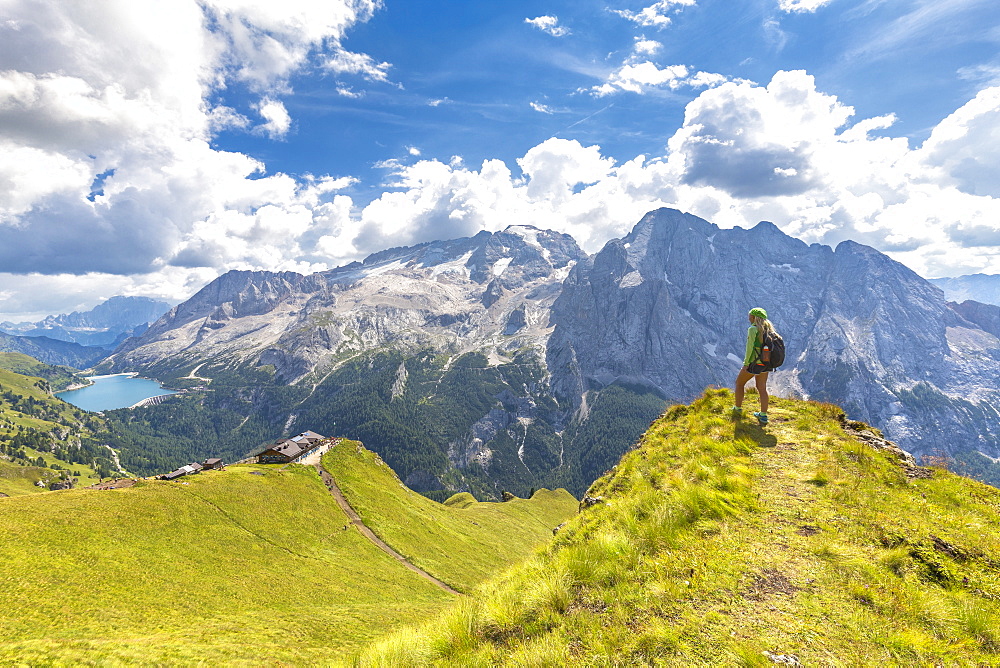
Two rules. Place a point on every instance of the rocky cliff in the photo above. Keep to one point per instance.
(665, 307)
(488, 293)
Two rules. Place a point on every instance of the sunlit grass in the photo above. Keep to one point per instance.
(246, 566)
(718, 540)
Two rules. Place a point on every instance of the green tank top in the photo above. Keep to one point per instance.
(754, 344)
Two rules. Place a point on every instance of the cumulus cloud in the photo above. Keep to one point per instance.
(963, 149)
(646, 47)
(277, 121)
(784, 152)
(655, 15)
(801, 5)
(107, 113)
(549, 24)
(642, 77)
(638, 74)
(109, 181)
(265, 41)
(541, 108)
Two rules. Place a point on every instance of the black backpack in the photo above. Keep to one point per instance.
(772, 352)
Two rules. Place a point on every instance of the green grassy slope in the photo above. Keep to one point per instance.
(58, 377)
(460, 543)
(35, 426)
(718, 541)
(225, 567)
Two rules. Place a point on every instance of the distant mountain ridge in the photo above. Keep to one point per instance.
(105, 325)
(53, 351)
(517, 360)
(984, 288)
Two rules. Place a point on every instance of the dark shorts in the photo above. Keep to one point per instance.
(754, 369)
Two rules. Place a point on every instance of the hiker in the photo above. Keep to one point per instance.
(755, 363)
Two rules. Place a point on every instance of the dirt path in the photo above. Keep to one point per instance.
(331, 484)
(194, 371)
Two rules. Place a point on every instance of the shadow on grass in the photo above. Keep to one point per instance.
(755, 433)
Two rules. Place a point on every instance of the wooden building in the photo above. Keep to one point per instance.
(289, 449)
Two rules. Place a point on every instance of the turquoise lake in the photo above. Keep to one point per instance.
(110, 392)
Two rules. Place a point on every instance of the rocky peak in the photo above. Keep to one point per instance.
(234, 294)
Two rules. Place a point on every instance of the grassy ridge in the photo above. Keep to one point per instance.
(460, 543)
(719, 541)
(16, 480)
(250, 565)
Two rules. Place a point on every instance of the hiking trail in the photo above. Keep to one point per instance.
(356, 520)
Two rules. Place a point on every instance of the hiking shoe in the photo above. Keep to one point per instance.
(761, 417)
(736, 412)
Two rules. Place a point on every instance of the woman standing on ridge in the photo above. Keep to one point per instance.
(755, 362)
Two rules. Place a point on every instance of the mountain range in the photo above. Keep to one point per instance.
(106, 325)
(52, 351)
(984, 288)
(512, 360)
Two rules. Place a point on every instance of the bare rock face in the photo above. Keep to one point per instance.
(491, 291)
(986, 316)
(666, 307)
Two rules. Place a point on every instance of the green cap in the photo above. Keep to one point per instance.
(758, 312)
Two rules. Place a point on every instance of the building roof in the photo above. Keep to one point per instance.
(289, 448)
(296, 445)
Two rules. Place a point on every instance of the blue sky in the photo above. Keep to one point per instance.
(486, 66)
(147, 148)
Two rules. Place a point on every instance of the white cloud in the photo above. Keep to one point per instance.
(413, 150)
(347, 91)
(801, 5)
(170, 212)
(267, 41)
(129, 91)
(985, 75)
(277, 121)
(656, 14)
(549, 24)
(642, 77)
(346, 62)
(646, 47)
(539, 107)
(784, 152)
(963, 149)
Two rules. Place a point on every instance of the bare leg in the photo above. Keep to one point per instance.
(741, 380)
(761, 381)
